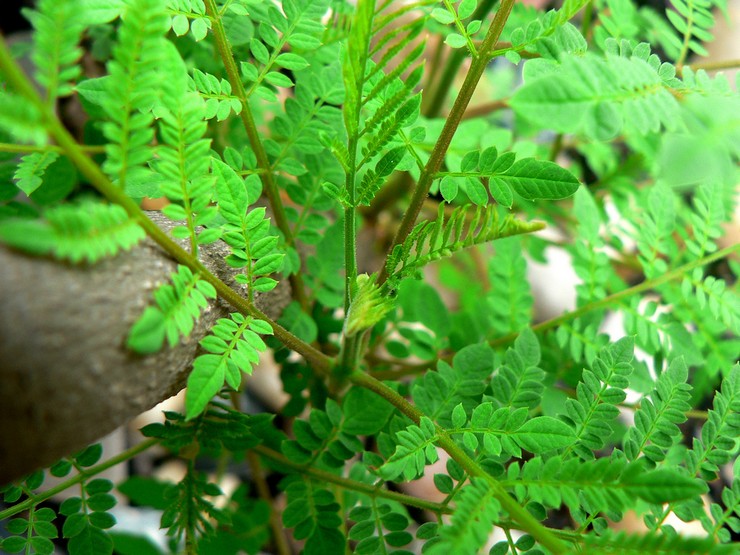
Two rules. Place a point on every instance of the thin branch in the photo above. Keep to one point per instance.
(15, 77)
(82, 476)
(611, 299)
(485, 109)
(711, 66)
(25, 149)
(268, 179)
(278, 532)
(353, 485)
(434, 101)
(519, 514)
(458, 110)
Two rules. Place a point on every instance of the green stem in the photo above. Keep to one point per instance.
(352, 485)
(518, 513)
(263, 490)
(426, 178)
(611, 299)
(26, 149)
(77, 479)
(713, 66)
(432, 108)
(15, 77)
(268, 179)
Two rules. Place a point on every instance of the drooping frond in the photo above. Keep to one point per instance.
(177, 307)
(462, 229)
(590, 262)
(718, 442)
(190, 509)
(86, 232)
(247, 232)
(380, 77)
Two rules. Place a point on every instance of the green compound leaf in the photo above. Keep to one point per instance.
(371, 419)
(539, 180)
(30, 172)
(544, 433)
(177, 307)
(233, 346)
(86, 232)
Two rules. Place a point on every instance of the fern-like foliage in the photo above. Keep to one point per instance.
(220, 103)
(378, 529)
(21, 120)
(312, 512)
(189, 16)
(87, 516)
(33, 532)
(462, 229)
(600, 97)
(233, 346)
(476, 511)
(190, 514)
(438, 393)
(87, 232)
(590, 262)
(693, 19)
(457, 15)
(414, 450)
(593, 411)
(605, 484)
(56, 53)
(657, 419)
(184, 164)
(530, 178)
(216, 429)
(519, 381)
(297, 27)
(636, 544)
(246, 232)
(721, 519)
(177, 308)
(132, 90)
(30, 171)
(510, 300)
(718, 443)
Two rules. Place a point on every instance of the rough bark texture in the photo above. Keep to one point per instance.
(66, 377)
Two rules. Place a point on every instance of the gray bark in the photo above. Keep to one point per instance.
(66, 377)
